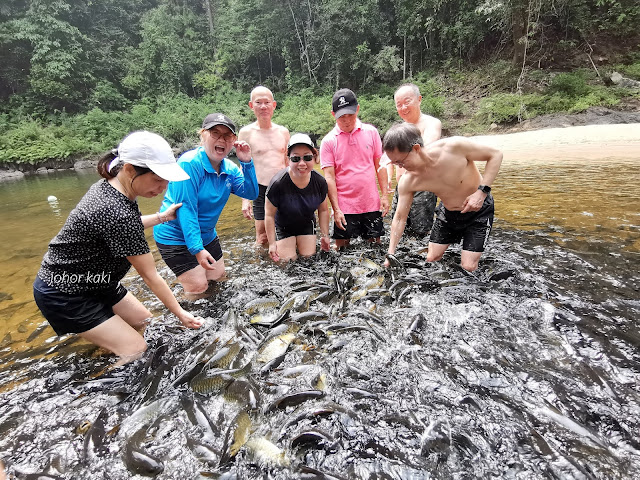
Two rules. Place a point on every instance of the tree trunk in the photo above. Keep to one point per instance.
(404, 59)
(209, 12)
(519, 30)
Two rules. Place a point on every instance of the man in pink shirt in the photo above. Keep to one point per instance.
(350, 158)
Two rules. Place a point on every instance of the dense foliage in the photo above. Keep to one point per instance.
(77, 75)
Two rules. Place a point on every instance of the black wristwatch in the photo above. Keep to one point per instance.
(485, 188)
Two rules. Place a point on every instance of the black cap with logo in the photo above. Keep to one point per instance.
(214, 119)
(344, 101)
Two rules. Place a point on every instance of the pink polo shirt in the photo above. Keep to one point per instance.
(352, 155)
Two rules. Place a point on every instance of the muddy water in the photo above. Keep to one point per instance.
(528, 368)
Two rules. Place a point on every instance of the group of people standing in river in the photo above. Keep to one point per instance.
(78, 286)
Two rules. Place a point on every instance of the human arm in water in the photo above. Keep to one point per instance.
(405, 199)
(146, 268)
(338, 216)
(383, 181)
(323, 216)
(270, 211)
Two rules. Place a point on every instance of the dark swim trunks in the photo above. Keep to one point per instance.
(258, 203)
(472, 227)
(179, 259)
(366, 225)
(420, 218)
(69, 313)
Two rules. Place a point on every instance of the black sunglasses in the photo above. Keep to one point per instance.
(306, 158)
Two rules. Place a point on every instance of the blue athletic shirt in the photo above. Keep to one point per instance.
(203, 197)
(296, 205)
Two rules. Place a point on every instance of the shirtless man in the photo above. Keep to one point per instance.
(445, 167)
(408, 100)
(268, 143)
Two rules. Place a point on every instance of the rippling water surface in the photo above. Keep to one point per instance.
(335, 368)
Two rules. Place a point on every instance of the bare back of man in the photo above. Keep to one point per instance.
(268, 142)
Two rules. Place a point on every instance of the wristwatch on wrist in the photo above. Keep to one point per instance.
(485, 188)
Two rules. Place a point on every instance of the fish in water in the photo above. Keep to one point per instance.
(314, 438)
(236, 436)
(266, 453)
(293, 399)
(260, 305)
(275, 347)
(137, 459)
(207, 383)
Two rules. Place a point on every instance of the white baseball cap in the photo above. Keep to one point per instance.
(300, 139)
(150, 150)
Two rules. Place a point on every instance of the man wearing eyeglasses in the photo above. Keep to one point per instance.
(268, 143)
(350, 158)
(446, 168)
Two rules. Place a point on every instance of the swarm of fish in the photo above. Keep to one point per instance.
(262, 385)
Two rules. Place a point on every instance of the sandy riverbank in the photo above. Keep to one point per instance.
(588, 142)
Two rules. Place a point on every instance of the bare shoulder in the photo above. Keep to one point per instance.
(407, 183)
(281, 128)
(430, 121)
(470, 149)
(247, 130)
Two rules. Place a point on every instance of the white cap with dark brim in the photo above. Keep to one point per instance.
(300, 139)
(150, 150)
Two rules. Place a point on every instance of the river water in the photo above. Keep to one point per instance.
(528, 368)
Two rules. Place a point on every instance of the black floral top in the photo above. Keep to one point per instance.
(89, 253)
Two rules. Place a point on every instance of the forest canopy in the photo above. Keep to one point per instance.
(74, 55)
(78, 75)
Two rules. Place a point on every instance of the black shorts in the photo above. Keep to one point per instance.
(258, 203)
(179, 259)
(472, 227)
(420, 218)
(366, 225)
(286, 231)
(68, 313)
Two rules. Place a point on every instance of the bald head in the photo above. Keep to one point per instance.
(407, 99)
(407, 89)
(261, 91)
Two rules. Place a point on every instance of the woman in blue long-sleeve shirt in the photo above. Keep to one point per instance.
(189, 245)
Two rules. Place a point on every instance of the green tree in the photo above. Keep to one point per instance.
(58, 73)
(173, 48)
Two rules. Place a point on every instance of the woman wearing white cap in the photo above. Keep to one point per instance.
(78, 286)
(293, 196)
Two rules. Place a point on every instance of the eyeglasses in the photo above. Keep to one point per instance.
(405, 157)
(227, 137)
(306, 158)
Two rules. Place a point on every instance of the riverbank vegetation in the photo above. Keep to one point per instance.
(77, 76)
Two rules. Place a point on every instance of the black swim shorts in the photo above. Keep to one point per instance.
(258, 203)
(179, 259)
(68, 313)
(286, 231)
(472, 227)
(366, 225)
(420, 218)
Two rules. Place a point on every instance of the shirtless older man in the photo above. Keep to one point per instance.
(268, 142)
(408, 101)
(446, 168)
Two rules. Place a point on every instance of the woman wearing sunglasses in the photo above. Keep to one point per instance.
(189, 245)
(293, 196)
